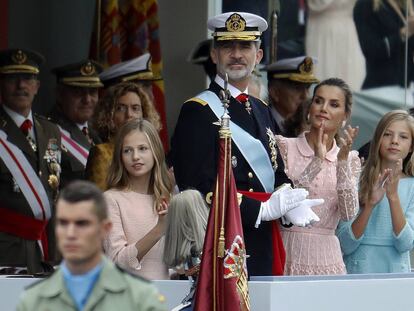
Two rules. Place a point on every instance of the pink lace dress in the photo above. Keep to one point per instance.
(316, 250)
(133, 216)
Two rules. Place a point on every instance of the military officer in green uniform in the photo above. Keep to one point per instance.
(87, 280)
(29, 168)
(76, 99)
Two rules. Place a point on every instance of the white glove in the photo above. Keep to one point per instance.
(303, 215)
(281, 201)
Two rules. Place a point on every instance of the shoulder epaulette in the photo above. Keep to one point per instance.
(51, 119)
(42, 117)
(133, 275)
(197, 100)
(263, 102)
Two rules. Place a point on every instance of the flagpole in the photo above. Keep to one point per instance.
(216, 199)
(98, 28)
(225, 134)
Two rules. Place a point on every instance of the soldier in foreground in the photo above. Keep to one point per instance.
(87, 280)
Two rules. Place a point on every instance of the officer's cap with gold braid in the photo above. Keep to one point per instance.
(82, 74)
(237, 26)
(298, 69)
(14, 61)
(137, 69)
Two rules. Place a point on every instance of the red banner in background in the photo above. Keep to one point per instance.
(4, 21)
(128, 29)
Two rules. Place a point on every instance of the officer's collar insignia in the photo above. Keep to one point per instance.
(88, 69)
(272, 147)
(19, 57)
(235, 23)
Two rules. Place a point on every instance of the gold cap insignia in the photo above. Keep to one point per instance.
(88, 69)
(19, 57)
(235, 23)
(306, 66)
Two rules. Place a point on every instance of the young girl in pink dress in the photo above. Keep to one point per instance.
(314, 161)
(139, 190)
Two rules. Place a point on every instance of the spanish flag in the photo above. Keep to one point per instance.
(222, 281)
(127, 29)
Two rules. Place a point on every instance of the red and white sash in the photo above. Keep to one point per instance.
(25, 177)
(78, 151)
(34, 193)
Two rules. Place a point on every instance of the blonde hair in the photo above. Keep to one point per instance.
(372, 167)
(160, 183)
(102, 120)
(186, 227)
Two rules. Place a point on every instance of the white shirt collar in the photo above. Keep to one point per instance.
(234, 92)
(16, 117)
(81, 126)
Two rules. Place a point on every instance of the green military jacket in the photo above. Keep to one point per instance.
(15, 250)
(114, 290)
(72, 169)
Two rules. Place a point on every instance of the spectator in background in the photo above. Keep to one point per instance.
(331, 37)
(76, 100)
(138, 196)
(288, 83)
(256, 86)
(380, 238)
(86, 280)
(298, 123)
(200, 55)
(382, 29)
(121, 103)
(29, 170)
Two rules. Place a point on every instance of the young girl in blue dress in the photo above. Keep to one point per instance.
(381, 236)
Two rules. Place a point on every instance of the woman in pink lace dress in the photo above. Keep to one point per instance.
(314, 161)
(139, 189)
